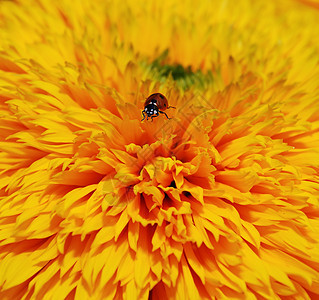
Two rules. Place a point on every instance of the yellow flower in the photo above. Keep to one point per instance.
(220, 201)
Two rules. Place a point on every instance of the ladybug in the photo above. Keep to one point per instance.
(154, 105)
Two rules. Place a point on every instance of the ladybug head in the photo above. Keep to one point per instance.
(151, 109)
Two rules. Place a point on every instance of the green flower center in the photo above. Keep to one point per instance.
(185, 77)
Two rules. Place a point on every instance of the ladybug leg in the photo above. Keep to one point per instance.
(171, 107)
(162, 112)
(143, 113)
(155, 116)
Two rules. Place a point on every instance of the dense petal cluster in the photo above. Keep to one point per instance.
(221, 201)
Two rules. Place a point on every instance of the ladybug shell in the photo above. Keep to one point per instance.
(160, 100)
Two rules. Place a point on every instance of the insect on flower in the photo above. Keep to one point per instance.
(154, 105)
